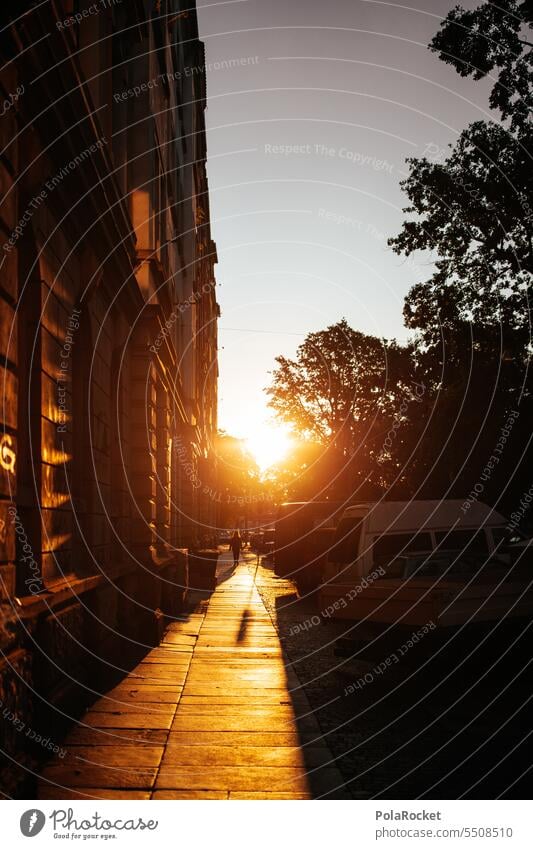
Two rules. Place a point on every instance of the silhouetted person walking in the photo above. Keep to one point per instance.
(236, 545)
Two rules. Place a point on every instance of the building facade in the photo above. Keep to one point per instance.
(108, 345)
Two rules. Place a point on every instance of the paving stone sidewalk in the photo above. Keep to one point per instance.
(212, 713)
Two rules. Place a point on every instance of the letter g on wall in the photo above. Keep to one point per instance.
(7, 454)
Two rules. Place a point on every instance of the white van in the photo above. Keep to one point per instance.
(378, 534)
(419, 561)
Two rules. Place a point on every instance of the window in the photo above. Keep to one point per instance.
(390, 546)
(467, 541)
(346, 545)
(506, 536)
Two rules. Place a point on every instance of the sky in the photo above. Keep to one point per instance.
(313, 108)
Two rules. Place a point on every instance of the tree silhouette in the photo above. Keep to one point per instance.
(475, 210)
(472, 205)
(490, 38)
(346, 391)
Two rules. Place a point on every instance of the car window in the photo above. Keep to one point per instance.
(508, 537)
(346, 545)
(389, 546)
(465, 540)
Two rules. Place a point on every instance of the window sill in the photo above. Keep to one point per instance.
(59, 590)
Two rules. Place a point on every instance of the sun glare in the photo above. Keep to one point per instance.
(269, 444)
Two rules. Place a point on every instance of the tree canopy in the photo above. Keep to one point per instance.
(493, 40)
(348, 392)
(471, 206)
(475, 210)
(339, 382)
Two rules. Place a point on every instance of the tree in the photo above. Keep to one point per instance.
(479, 41)
(473, 207)
(310, 471)
(340, 379)
(346, 391)
(240, 492)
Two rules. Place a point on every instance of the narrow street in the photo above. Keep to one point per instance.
(212, 713)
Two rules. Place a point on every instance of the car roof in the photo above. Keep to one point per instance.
(385, 516)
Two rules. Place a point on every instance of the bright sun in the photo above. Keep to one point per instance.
(269, 444)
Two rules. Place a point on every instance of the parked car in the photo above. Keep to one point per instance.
(263, 541)
(412, 562)
(267, 542)
(224, 537)
(256, 540)
(515, 543)
(296, 543)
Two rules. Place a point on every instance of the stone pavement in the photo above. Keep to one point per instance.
(212, 713)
